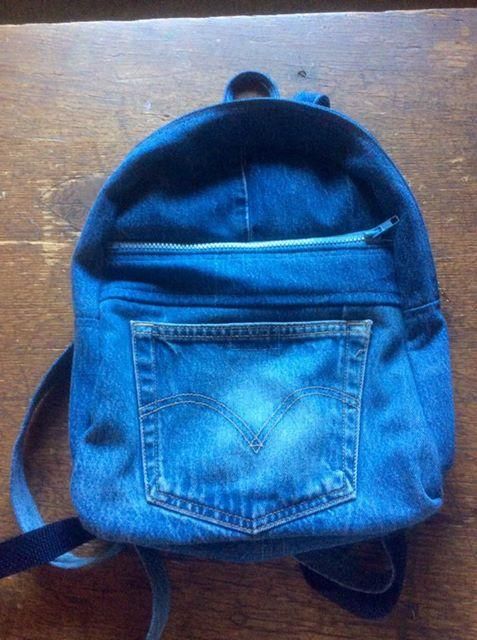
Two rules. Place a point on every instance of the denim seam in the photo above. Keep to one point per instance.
(420, 307)
(136, 367)
(196, 395)
(153, 366)
(358, 420)
(147, 331)
(283, 409)
(346, 396)
(265, 516)
(255, 440)
(202, 404)
(172, 326)
(141, 426)
(407, 349)
(156, 461)
(245, 196)
(343, 406)
(268, 337)
(245, 330)
(390, 298)
(287, 409)
(266, 525)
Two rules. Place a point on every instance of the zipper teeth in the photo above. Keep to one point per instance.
(347, 238)
(119, 247)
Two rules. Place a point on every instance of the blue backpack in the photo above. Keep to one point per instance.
(260, 365)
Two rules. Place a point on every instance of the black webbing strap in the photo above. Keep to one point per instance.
(41, 546)
(337, 575)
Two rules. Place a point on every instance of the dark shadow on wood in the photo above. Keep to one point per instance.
(25, 11)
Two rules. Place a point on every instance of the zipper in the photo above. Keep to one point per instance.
(382, 228)
(369, 235)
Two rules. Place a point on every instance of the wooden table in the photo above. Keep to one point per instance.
(75, 98)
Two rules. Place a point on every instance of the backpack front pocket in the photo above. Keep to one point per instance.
(250, 425)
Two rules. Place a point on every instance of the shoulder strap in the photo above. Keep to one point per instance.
(24, 505)
(41, 545)
(52, 543)
(47, 543)
(160, 588)
(333, 572)
(338, 574)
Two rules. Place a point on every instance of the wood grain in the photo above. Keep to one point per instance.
(74, 99)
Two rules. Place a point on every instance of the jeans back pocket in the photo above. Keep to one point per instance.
(250, 425)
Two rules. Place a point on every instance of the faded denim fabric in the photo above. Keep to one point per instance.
(261, 365)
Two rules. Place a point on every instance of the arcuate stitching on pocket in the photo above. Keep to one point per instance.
(304, 392)
(209, 403)
(346, 397)
(151, 426)
(253, 440)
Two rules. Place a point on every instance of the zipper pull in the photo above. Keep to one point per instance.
(382, 228)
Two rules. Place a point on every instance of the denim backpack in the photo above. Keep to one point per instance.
(260, 364)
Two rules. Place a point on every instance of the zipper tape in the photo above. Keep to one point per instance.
(261, 245)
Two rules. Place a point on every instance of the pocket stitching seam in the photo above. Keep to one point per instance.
(139, 399)
(347, 397)
(266, 517)
(255, 440)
